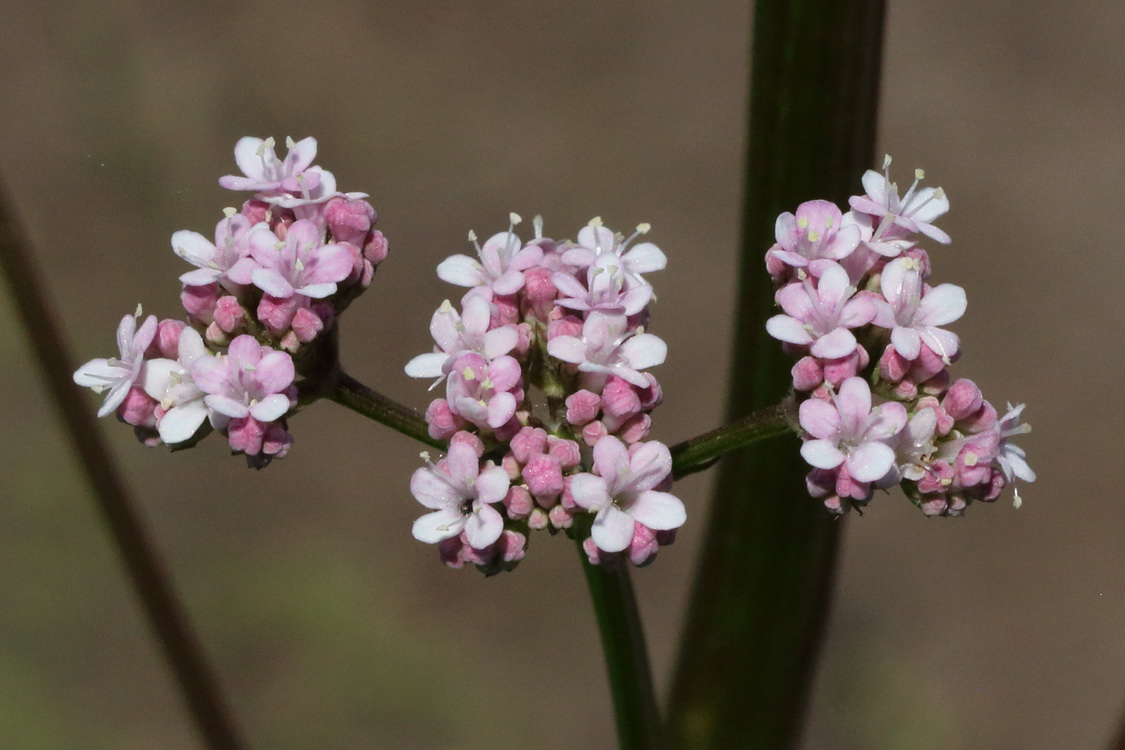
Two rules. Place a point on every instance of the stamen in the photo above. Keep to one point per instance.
(229, 212)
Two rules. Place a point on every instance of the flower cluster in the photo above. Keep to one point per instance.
(547, 401)
(863, 320)
(261, 302)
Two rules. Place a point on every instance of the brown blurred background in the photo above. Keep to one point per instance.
(330, 626)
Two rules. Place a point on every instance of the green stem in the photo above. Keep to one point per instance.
(701, 452)
(626, 658)
(151, 583)
(347, 391)
(762, 587)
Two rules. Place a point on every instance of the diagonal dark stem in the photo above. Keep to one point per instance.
(701, 452)
(762, 587)
(150, 581)
(347, 391)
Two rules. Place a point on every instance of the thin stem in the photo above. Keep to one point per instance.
(701, 452)
(626, 657)
(347, 391)
(163, 609)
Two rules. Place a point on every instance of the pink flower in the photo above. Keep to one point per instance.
(503, 259)
(117, 375)
(913, 212)
(170, 382)
(290, 183)
(606, 346)
(300, 264)
(913, 312)
(227, 258)
(815, 232)
(1010, 457)
(596, 241)
(847, 430)
(819, 315)
(458, 334)
(250, 381)
(461, 496)
(607, 288)
(622, 494)
(482, 391)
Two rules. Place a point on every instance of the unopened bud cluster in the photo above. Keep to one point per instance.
(263, 294)
(864, 322)
(547, 401)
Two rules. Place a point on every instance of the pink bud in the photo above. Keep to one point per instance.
(229, 315)
(348, 220)
(167, 341)
(255, 210)
(277, 441)
(538, 519)
(566, 452)
(306, 325)
(529, 442)
(511, 466)
(963, 399)
(643, 546)
(836, 371)
(544, 479)
(593, 432)
(450, 552)
(277, 314)
(470, 439)
(199, 301)
(619, 399)
(807, 374)
(539, 292)
(443, 423)
(375, 250)
(568, 325)
(652, 395)
(505, 311)
(519, 503)
(560, 518)
(216, 336)
(511, 546)
(636, 428)
(892, 366)
(582, 407)
(137, 408)
(246, 434)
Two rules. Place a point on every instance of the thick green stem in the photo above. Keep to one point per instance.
(151, 583)
(347, 391)
(762, 587)
(701, 452)
(626, 658)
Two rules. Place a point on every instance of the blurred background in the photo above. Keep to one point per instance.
(329, 625)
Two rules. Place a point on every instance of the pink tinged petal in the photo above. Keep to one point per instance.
(500, 341)
(785, 328)
(645, 258)
(854, 401)
(838, 343)
(264, 246)
(876, 186)
(610, 458)
(244, 350)
(785, 230)
(942, 305)
(822, 454)
(484, 526)
(612, 530)
(427, 365)
(589, 492)
(248, 157)
(98, 373)
(330, 263)
(275, 371)
(935, 234)
(834, 286)
(620, 370)
(510, 282)
(649, 465)
(580, 257)
(240, 272)
(439, 525)
(271, 282)
(501, 408)
(893, 281)
(193, 247)
(567, 348)
(476, 315)
(1017, 458)
(462, 464)
(443, 328)
(492, 485)
(158, 376)
(317, 291)
(890, 420)
(227, 406)
(526, 258)
(929, 206)
(870, 462)
(942, 342)
(505, 373)
(907, 342)
(644, 350)
(301, 155)
(180, 423)
(884, 314)
(433, 490)
(658, 510)
(568, 286)
(270, 408)
(795, 300)
(200, 277)
(858, 311)
(209, 373)
(461, 270)
(820, 418)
